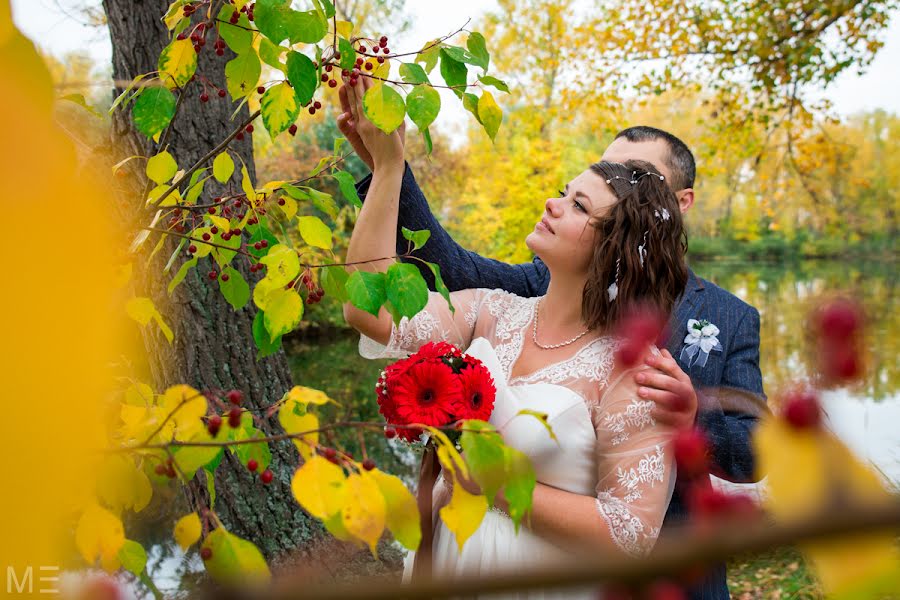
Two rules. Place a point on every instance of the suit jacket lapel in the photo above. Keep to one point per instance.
(688, 307)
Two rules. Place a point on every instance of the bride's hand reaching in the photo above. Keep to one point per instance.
(386, 149)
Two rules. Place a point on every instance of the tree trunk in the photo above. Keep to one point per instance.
(213, 347)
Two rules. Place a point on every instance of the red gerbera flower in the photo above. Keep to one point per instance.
(436, 350)
(428, 393)
(478, 392)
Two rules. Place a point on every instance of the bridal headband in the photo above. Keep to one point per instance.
(635, 177)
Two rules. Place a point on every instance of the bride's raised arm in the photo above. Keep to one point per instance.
(375, 237)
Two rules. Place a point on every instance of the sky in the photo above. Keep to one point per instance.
(55, 27)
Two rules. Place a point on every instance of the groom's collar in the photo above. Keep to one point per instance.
(694, 283)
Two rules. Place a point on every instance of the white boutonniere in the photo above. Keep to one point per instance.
(699, 342)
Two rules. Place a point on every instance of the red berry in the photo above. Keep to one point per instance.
(324, 77)
(213, 424)
(192, 249)
(386, 50)
(160, 469)
(293, 129)
(390, 433)
(332, 83)
(802, 410)
(362, 49)
(261, 90)
(181, 36)
(170, 472)
(266, 476)
(214, 230)
(282, 202)
(691, 449)
(329, 453)
(376, 49)
(383, 41)
(235, 397)
(250, 128)
(368, 464)
(234, 417)
(213, 275)
(312, 110)
(206, 553)
(368, 66)
(204, 97)
(220, 52)
(252, 465)
(224, 277)
(328, 68)
(227, 235)
(380, 60)
(337, 55)
(317, 104)
(206, 237)
(222, 93)
(239, 136)
(264, 243)
(257, 246)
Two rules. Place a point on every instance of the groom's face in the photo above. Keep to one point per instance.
(655, 152)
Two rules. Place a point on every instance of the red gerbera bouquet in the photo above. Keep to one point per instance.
(436, 386)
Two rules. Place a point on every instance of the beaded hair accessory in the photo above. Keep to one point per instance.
(635, 177)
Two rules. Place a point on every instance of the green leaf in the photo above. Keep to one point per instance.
(190, 458)
(223, 167)
(429, 57)
(258, 233)
(234, 561)
(182, 273)
(195, 187)
(284, 309)
(153, 110)
(133, 557)
(348, 54)
(314, 232)
(478, 50)
(239, 36)
(489, 114)
(260, 452)
(348, 187)
(366, 291)
(470, 103)
(235, 290)
(161, 168)
(242, 74)
(423, 105)
(306, 27)
(493, 81)
(407, 291)
(270, 53)
(520, 481)
(465, 56)
(263, 339)
(384, 107)
(418, 238)
(282, 264)
(426, 136)
(454, 72)
(271, 18)
(483, 448)
(301, 72)
(334, 281)
(440, 286)
(413, 73)
(329, 8)
(223, 256)
(211, 486)
(279, 108)
(177, 63)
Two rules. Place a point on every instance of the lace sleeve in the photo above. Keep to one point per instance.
(636, 467)
(434, 323)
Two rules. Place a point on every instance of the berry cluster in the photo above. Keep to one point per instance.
(314, 292)
(167, 469)
(332, 456)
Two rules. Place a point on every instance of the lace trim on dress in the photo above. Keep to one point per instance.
(593, 362)
(650, 469)
(511, 314)
(626, 530)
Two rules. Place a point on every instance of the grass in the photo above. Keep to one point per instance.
(778, 574)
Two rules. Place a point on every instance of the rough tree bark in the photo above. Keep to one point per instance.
(213, 347)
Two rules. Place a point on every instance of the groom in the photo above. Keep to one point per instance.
(733, 363)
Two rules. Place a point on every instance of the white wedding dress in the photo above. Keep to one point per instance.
(609, 446)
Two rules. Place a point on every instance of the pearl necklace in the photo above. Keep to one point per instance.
(537, 309)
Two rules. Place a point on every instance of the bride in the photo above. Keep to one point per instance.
(611, 239)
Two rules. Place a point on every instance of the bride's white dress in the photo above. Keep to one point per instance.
(609, 446)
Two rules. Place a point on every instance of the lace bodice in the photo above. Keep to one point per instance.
(620, 455)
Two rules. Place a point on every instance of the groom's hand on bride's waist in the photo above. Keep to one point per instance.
(670, 388)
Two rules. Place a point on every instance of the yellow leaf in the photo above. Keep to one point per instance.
(319, 487)
(223, 167)
(314, 232)
(294, 423)
(222, 223)
(161, 168)
(187, 407)
(99, 534)
(121, 485)
(345, 29)
(187, 530)
(364, 513)
(139, 394)
(383, 71)
(402, 512)
(463, 514)
(262, 289)
(177, 63)
(305, 395)
(246, 184)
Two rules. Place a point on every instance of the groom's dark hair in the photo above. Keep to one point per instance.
(680, 159)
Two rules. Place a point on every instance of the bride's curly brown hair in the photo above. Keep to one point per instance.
(640, 246)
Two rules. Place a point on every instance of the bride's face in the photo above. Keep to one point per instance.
(563, 238)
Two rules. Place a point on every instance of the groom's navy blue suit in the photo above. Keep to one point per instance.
(736, 365)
